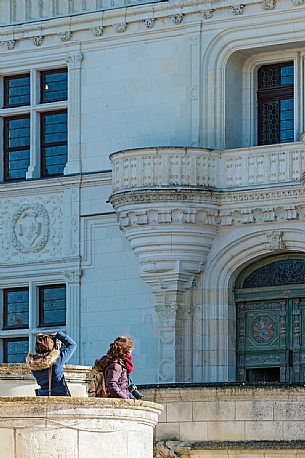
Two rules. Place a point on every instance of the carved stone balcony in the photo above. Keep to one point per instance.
(170, 202)
(164, 204)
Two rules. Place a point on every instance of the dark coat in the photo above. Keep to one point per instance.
(116, 379)
(39, 365)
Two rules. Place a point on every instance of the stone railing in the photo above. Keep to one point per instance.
(17, 380)
(199, 167)
(76, 427)
(13, 11)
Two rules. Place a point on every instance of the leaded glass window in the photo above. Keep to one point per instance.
(54, 85)
(16, 147)
(16, 308)
(15, 350)
(54, 142)
(275, 103)
(278, 273)
(16, 90)
(52, 305)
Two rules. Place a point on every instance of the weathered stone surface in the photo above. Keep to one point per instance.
(68, 427)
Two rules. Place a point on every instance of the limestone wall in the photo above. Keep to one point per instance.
(221, 421)
(76, 427)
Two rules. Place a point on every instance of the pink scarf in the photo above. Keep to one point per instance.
(128, 363)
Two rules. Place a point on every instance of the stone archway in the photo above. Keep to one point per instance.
(225, 265)
(270, 301)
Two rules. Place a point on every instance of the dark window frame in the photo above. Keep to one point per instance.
(51, 72)
(42, 323)
(11, 339)
(275, 93)
(43, 170)
(7, 150)
(6, 81)
(5, 308)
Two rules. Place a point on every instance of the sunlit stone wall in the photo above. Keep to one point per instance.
(56, 427)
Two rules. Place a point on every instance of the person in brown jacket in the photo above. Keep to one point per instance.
(112, 371)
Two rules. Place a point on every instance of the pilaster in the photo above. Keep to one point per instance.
(74, 62)
(73, 310)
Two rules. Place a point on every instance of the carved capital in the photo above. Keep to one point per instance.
(38, 40)
(176, 18)
(74, 60)
(9, 44)
(65, 36)
(268, 4)
(121, 27)
(149, 22)
(97, 30)
(238, 9)
(207, 14)
(73, 276)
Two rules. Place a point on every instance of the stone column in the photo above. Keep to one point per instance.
(74, 61)
(76, 427)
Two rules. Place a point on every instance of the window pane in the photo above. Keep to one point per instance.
(54, 86)
(52, 305)
(15, 351)
(54, 143)
(17, 90)
(16, 308)
(275, 103)
(16, 147)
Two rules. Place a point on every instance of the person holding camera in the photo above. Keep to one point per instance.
(113, 370)
(47, 365)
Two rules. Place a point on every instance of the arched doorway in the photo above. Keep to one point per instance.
(270, 299)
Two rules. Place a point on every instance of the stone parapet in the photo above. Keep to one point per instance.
(68, 427)
(166, 167)
(215, 419)
(17, 380)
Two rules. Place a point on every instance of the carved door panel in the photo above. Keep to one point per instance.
(271, 340)
(296, 350)
(262, 340)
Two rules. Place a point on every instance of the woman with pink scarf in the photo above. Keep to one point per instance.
(116, 367)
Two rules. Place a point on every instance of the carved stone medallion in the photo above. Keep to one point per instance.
(31, 228)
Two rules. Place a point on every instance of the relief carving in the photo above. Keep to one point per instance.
(37, 40)
(164, 450)
(275, 240)
(31, 228)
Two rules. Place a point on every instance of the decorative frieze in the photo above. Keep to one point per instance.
(165, 450)
(262, 214)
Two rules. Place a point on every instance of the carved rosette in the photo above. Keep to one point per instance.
(30, 228)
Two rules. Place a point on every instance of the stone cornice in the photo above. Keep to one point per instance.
(156, 17)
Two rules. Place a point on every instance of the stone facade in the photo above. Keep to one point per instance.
(152, 242)
(80, 427)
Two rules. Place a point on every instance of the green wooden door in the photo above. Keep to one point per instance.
(271, 340)
(271, 322)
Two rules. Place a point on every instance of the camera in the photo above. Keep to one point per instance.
(133, 389)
